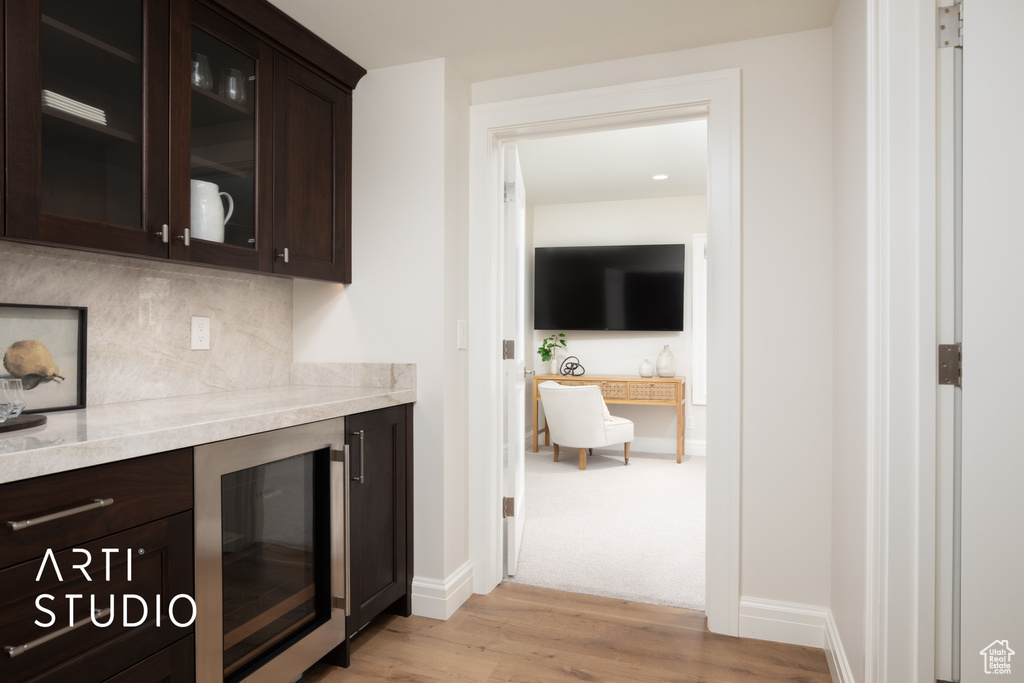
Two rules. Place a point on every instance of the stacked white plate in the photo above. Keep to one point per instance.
(74, 107)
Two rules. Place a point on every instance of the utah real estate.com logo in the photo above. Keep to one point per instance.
(997, 657)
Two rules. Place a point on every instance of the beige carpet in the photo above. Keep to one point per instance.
(635, 533)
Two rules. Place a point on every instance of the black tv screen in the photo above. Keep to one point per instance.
(636, 287)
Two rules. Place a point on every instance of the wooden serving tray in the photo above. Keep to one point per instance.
(22, 422)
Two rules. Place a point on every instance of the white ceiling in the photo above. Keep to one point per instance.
(616, 164)
(541, 34)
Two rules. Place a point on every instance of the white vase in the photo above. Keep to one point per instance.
(666, 363)
(646, 369)
(556, 363)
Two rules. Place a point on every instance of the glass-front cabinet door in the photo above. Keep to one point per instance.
(221, 110)
(87, 122)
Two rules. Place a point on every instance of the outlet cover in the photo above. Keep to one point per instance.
(200, 333)
(689, 421)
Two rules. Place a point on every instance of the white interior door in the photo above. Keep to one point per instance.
(992, 558)
(515, 367)
(699, 307)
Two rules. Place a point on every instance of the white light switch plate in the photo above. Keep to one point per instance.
(200, 333)
(462, 341)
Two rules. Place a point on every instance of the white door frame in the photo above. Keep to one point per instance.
(718, 93)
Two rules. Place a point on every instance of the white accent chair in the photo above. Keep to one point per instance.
(577, 416)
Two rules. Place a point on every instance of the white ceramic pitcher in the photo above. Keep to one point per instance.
(208, 219)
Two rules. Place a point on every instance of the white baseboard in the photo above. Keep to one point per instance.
(653, 445)
(838, 664)
(782, 622)
(439, 599)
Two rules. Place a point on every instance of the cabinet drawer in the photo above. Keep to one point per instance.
(653, 391)
(161, 564)
(611, 389)
(142, 490)
(175, 664)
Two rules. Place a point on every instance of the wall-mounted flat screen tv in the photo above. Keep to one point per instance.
(635, 287)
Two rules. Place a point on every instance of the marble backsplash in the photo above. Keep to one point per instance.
(140, 320)
(379, 375)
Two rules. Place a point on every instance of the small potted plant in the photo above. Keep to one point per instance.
(547, 350)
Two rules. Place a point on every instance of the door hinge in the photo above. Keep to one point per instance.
(508, 507)
(950, 362)
(508, 349)
(705, 251)
(950, 26)
(510, 191)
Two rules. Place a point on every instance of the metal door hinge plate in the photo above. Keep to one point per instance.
(949, 25)
(508, 507)
(950, 361)
(508, 349)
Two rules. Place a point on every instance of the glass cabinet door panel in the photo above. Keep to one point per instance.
(91, 72)
(223, 134)
(272, 588)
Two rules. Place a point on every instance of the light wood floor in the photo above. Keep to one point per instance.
(527, 634)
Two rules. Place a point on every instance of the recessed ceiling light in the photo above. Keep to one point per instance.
(660, 176)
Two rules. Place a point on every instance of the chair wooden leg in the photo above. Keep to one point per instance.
(627, 452)
(556, 452)
(583, 458)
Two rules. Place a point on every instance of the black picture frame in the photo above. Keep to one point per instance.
(59, 383)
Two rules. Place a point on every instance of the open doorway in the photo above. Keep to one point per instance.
(717, 96)
(637, 186)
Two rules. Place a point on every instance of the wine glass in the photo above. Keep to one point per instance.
(232, 85)
(201, 74)
(6, 405)
(14, 396)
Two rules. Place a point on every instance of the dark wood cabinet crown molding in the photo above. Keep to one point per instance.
(288, 35)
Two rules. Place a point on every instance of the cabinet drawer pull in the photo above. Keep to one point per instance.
(15, 650)
(283, 255)
(24, 524)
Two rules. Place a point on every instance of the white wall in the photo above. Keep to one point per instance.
(850, 332)
(409, 220)
(671, 220)
(787, 291)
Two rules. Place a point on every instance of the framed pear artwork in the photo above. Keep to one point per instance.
(44, 347)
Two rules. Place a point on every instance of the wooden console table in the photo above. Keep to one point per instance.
(642, 391)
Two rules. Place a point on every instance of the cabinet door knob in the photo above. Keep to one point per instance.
(186, 237)
(164, 233)
(283, 254)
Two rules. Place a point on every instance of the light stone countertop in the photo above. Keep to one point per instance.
(118, 431)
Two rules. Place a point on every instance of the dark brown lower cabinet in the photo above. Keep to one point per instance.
(175, 664)
(380, 509)
(160, 567)
(116, 537)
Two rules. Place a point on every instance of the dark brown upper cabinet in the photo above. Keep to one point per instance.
(211, 131)
(312, 174)
(87, 121)
(222, 109)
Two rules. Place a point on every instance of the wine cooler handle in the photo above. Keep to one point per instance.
(341, 577)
